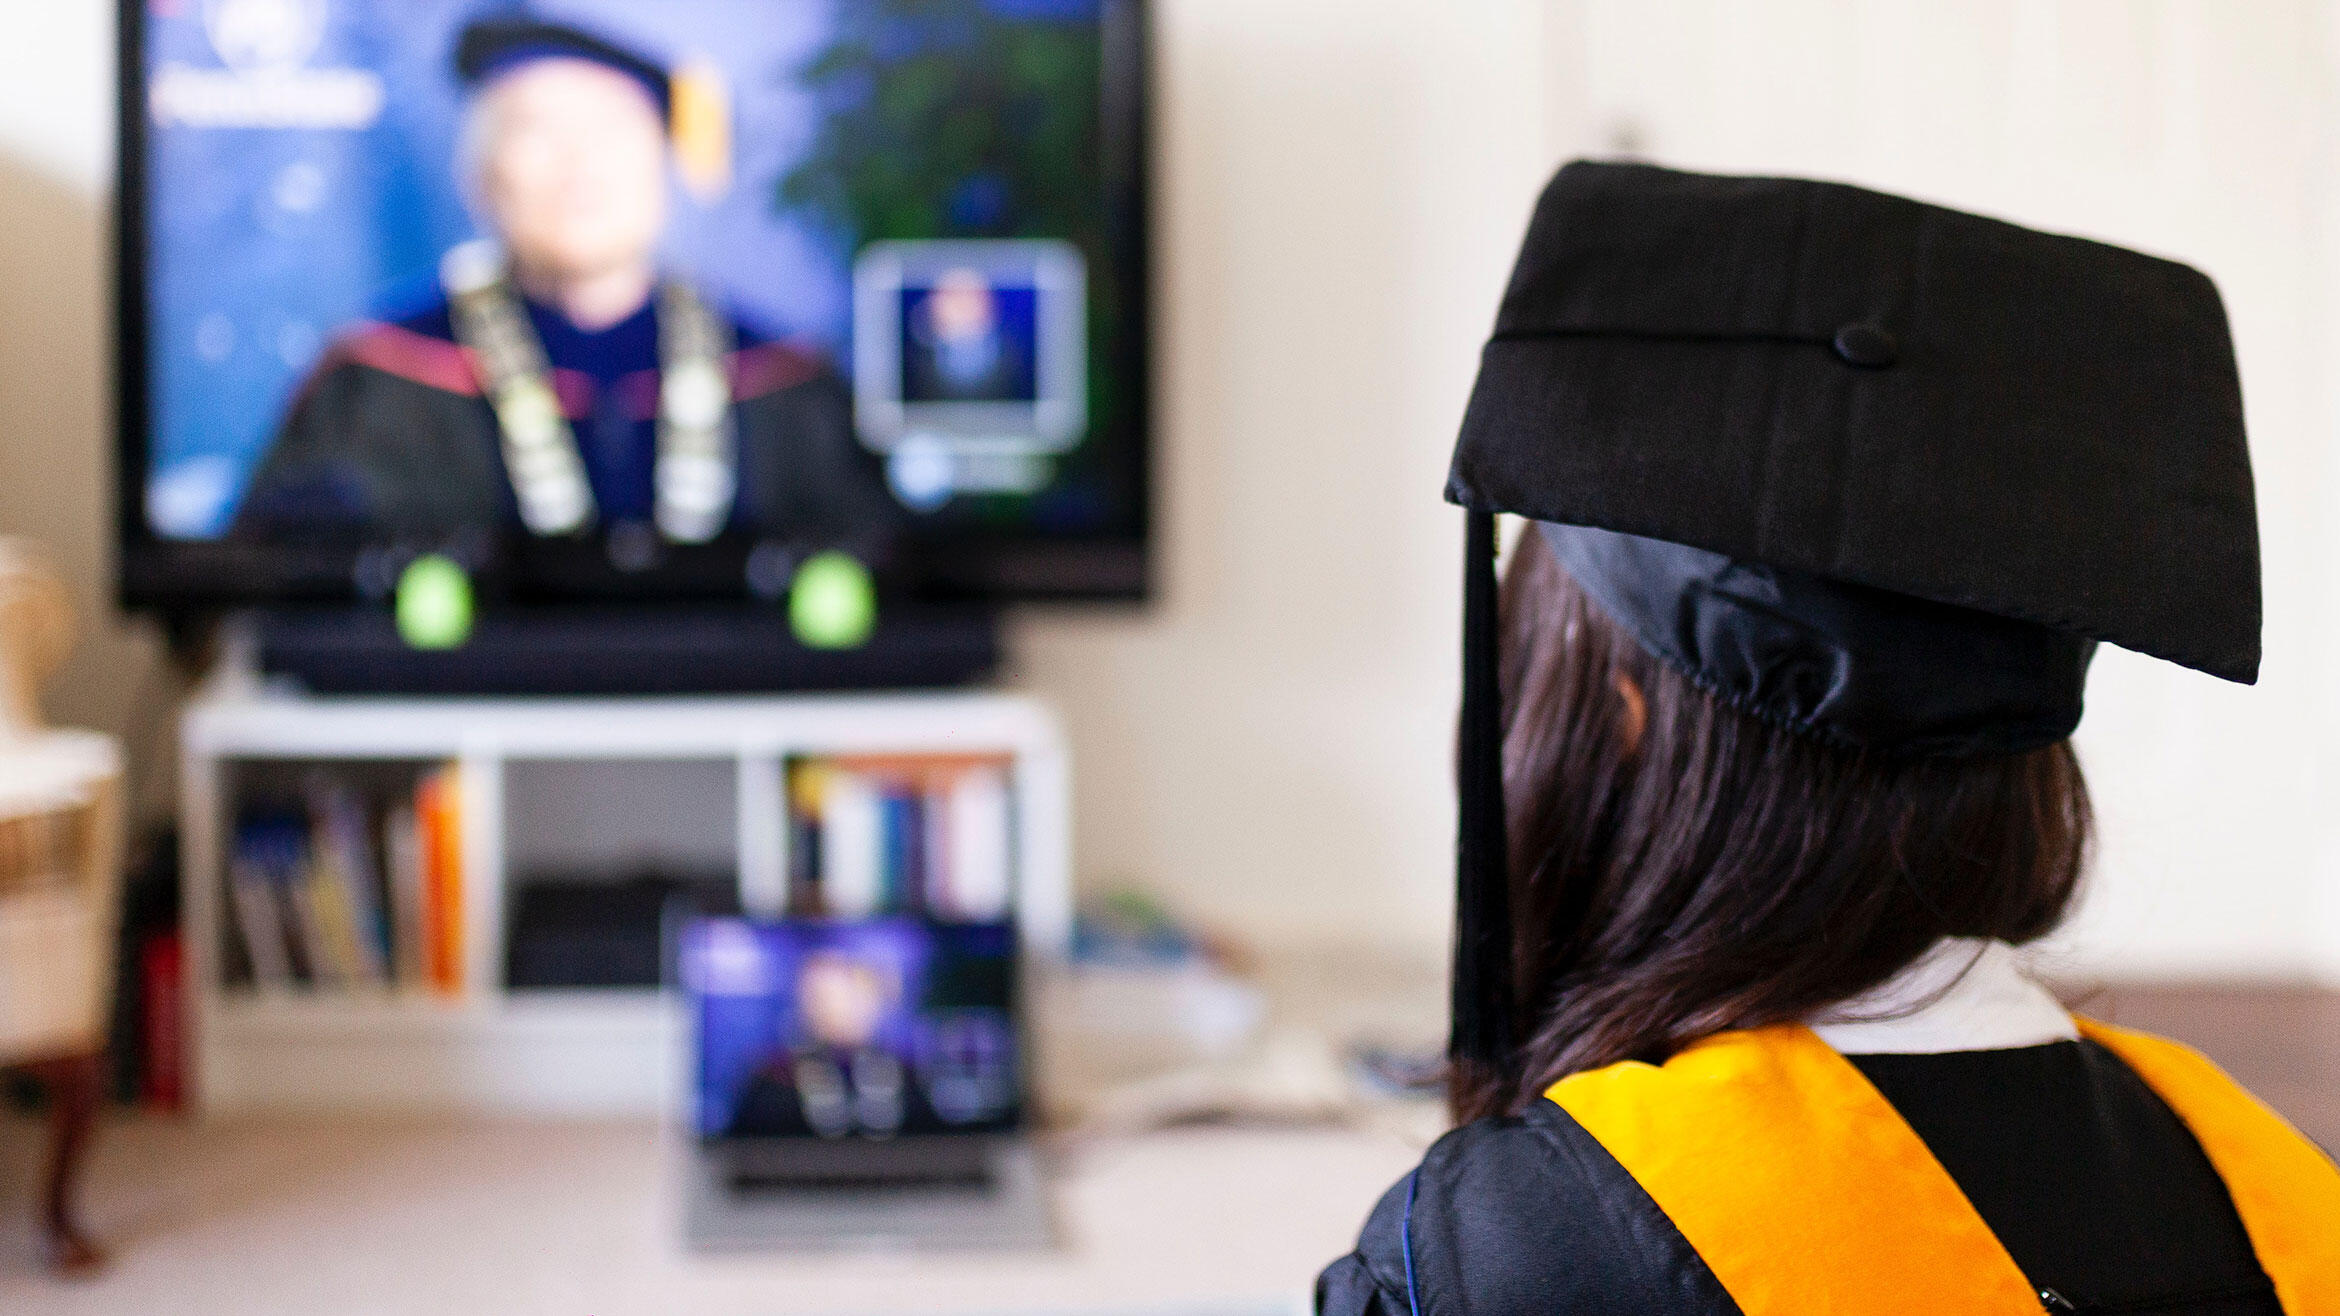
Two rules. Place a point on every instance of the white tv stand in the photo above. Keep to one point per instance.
(598, 1051)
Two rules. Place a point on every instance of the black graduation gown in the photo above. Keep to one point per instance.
(391, 437)
(2096, 1189)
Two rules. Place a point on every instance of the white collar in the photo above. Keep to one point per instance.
(1963, 994)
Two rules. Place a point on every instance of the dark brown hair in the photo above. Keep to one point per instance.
(1716, 871)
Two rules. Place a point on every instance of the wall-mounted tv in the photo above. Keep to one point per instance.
(631, 299)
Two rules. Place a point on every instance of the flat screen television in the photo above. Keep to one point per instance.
(631, 300)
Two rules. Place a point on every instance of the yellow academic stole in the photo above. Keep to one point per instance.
(1805, 1192)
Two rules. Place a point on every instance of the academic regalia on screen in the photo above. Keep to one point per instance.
(1884, 474)
(391, 435)
(833, 1092)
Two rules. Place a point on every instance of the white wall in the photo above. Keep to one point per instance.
(56, 157)
(2195, 129)
(1343, 182)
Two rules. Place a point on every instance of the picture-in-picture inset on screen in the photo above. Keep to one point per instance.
(969, 363)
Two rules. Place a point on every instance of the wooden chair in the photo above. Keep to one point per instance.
(60, 879)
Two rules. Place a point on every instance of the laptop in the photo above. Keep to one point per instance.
(864, 1071)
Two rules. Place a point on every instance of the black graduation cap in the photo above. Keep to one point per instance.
(490, 46)
(1879, 471)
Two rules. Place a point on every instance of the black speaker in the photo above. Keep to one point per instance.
(658, 650)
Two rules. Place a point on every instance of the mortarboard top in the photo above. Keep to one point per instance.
(1878, 391)
(1877, 470)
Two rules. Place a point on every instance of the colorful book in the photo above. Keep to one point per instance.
(980, 867)
(853, 846)
(879, 834)
(341, 885)
(438, 815)
(314, 964)
(252, 893)
(161, 983)
(403, 868)
(936, 886)
(808, 782)
(903, 846)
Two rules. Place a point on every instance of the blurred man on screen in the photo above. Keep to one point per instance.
(565, 384)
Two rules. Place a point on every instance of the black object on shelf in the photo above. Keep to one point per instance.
(646, 650)
(596, 932)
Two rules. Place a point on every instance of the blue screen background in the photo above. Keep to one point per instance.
(266, 243)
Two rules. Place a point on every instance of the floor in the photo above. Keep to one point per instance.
(582, 1219)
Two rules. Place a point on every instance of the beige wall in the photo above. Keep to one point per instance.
(2194, 128)
(1344, 186)
(56, 132)
(1342, 183)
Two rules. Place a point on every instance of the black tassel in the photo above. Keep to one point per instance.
(1482, 1035)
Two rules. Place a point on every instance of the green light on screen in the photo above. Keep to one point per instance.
(434, 603)
(833, 603)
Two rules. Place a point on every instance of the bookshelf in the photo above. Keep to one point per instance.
(700, 783)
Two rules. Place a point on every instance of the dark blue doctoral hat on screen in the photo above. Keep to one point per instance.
(495, 45)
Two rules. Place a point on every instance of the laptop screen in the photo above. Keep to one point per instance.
(866, 1029)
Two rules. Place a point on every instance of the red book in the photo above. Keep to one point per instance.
(162, 1069)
